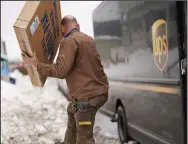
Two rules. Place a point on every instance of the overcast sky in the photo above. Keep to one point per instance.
(10, 10)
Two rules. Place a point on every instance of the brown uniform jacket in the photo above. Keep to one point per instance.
(80, 64)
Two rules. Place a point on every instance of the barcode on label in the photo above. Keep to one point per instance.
(34, 25)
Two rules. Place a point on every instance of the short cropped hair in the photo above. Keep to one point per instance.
(66, 20)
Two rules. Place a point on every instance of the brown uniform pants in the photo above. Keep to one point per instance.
(83, 134)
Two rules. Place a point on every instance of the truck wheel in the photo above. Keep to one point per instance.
(122, 125)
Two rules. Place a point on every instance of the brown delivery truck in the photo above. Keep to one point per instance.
(146, 42)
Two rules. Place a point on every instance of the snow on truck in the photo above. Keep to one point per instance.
(146, 42)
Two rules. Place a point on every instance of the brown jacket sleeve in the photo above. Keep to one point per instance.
(64, 62)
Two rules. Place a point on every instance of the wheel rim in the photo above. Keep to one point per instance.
(121, 126)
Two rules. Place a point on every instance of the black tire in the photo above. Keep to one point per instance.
(122, 125)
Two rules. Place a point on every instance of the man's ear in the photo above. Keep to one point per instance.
(78, 26)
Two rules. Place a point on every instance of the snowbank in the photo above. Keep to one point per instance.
(30, 114)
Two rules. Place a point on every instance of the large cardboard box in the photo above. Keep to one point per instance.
(38, 29)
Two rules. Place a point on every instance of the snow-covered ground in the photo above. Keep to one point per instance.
(31, 115)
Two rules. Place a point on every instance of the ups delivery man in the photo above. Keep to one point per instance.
(79, 63)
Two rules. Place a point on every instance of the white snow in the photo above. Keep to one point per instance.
(30, 114)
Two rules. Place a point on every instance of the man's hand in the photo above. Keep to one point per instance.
(30, 60)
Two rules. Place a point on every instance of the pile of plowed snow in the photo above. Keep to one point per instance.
(31, 115)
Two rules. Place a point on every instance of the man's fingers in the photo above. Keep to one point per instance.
(27, 60)
(25, 54)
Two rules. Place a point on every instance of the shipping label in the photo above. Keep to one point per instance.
(34, 25)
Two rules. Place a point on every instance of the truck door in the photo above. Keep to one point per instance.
(182, 38)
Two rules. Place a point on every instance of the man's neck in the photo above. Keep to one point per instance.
(70, 31)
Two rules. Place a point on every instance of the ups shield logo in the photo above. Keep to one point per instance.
(160, 43)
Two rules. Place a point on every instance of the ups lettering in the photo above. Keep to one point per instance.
(160, 46)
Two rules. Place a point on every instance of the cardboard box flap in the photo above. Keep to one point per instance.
(21, 24)
(28, 11)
